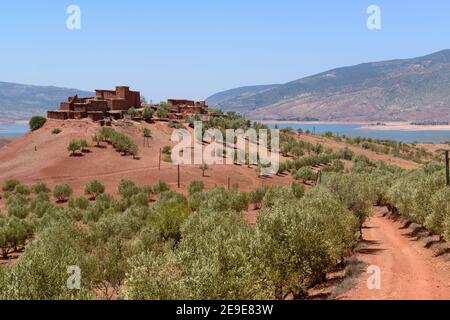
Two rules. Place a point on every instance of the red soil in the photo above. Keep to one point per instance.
(408, 270)
(5, 141)
(43, 156)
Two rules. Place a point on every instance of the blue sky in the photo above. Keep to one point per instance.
(192, 49)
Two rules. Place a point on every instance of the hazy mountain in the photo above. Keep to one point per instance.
(20, 102)
(408, 89)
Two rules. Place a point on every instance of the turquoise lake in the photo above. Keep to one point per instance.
(349, 130)
(354, 130)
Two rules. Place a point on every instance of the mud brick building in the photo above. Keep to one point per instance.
(187, 107)
(106, 103)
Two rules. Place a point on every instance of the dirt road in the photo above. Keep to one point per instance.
(408, 270)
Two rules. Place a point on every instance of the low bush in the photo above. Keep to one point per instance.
(79, 203)
(127, 188)
(160, 187)
(37, 122)
(62, 192)
(40, 187)
(93, 189)
(305, 174)
(195, 186)
(10, 185)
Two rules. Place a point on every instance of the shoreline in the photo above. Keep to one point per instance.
(405, 127)
(367, 125)
(362, 123)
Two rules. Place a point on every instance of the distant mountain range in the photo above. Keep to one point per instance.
(395, 90)
(20, 102)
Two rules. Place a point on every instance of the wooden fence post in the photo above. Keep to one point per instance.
(447, 168)
(159, 160)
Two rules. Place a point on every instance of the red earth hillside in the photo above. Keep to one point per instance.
(43, 156)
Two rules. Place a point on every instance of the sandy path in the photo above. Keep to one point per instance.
(408, 270)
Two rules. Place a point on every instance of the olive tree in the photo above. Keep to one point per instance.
(93, 189)
(40, 187)
(13, 232)
(62, 192)
(74, 146)
(195, 186)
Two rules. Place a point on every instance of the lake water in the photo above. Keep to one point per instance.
(13, 130)
(354, 130)
(349, 130)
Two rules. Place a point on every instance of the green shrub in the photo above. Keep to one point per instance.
(95, 211)
(147, 133)
(160, 187)
(256, 196)
(298, 190)
(56, 131)
(447, 229)
(167, 158)
(211, 262)
(163, 111)
(121, 142)
(140, 199)
(80, 203)
(132, 112)
(97, 139)
(22, 189)
(238, 201)
(10, 185)
(17, 206)
(39, 198)
(354, 192)
(13, 232)
(37, 122)
(345, 154)
(84, 146)
(305, 174)
(74, 146)
(62, 192)
(170, 196)
(335, 166)
(41, 272)
(203, 167)
(127, 188)
(297, 243)
(195, 186)
(275, 194)
(411, 194)
(104, 198)
(168, 217)
(40, 187)
(93, 189)
(40, 204)
(148, 114)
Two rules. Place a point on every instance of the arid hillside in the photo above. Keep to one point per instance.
(43, 156)
(400, 90)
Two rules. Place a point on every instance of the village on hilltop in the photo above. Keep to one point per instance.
(108, 105)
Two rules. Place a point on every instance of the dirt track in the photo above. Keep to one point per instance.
(408, 270)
